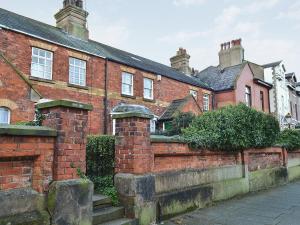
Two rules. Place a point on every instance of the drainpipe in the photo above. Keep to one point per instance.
(105, 97)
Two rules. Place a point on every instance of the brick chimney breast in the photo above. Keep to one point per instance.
(231, 53)
(181, 61)
(73, 19)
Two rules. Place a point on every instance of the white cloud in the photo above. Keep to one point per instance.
(188, 2)
(114, 34)
(181, 37)
(260, 5)
(293, 12)
(228, 17)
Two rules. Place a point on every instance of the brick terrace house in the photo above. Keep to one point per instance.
(236, 80)
(39, 62)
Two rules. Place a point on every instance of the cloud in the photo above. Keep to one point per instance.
(182, 36)
(188, 2)
(115, 34)
(229, 16)
(260, 5)
(293, 12)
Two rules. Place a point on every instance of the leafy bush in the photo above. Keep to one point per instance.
(100, 155)
(232, 128)
(100, 165)
(105, 185)
(289, 139)
(180, 121)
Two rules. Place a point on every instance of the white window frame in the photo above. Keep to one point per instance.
(194, 93)
(35, 72)
(248, 96)
(114, 127)
(152, 96)
(8, 114)
(81, 72)
(206, 102)
(128, 84)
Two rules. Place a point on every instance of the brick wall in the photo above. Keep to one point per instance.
(26, 161)
(17, 47)
(178, 156)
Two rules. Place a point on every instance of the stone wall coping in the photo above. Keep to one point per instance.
(19, 130)
(166, 139)
(64, 103)
(132, 114)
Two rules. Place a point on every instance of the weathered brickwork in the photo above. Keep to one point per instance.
(70, 146)
(133, 151)
(26, 162)
(17, 48)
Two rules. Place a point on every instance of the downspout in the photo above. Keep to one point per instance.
(105, 97)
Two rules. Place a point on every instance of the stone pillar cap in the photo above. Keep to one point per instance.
(127, 110)
(63, 103)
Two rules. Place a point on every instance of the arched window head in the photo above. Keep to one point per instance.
(4, 115)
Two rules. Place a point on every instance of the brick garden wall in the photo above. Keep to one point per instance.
(178, 156)
(26, 161)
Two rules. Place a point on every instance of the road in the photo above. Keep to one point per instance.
(278, 206)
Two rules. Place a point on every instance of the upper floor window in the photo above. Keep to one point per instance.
(206, 102)
(127, 84)
(148, 88)
(77, 72)
(248, 100)
(194, 93)
(262, 101)
(4, 115)
(41, 63)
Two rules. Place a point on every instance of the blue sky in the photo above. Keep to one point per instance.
(155, 29)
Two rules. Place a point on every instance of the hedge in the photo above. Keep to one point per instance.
(289, 139)
(100, 155)
(232, 128)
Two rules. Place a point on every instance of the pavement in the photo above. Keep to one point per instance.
(278, 206)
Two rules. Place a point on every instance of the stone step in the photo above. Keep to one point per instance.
(122, 221)
(101, 201)
(103, 215)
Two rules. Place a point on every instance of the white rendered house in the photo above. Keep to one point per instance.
(274, 73)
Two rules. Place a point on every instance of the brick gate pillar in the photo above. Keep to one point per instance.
(133, 144)
(134, 162)
(70, 120)
(69, 198)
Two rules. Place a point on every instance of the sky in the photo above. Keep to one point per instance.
(155, 29)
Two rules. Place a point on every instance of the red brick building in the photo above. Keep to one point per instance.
(41, 62)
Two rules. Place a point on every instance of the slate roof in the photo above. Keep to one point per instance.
(18, 23)
(175, 107)
(273, 64)
(220, 79)
(289, 75)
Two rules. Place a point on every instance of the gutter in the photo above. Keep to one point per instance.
(105, 114)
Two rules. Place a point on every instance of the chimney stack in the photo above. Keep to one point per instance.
(181, 61)
(73, 19)
(231, 53)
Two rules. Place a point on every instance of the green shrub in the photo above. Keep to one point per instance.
(289, 139)
(180, 121)
(100, 155)
(105, 186)
(232, 128)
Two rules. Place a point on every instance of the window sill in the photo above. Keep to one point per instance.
(78, 86)
(41, 80)
(148, 100)
(128, 96)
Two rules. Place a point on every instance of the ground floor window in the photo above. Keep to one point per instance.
(4, 115)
